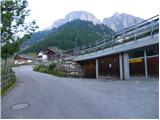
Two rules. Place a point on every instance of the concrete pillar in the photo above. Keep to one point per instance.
(121, 66)
(126, 66)
(145, 64)
(97, 68)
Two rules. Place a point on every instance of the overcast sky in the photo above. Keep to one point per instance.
(45, 12)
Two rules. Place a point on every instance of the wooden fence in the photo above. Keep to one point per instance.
(6, 78)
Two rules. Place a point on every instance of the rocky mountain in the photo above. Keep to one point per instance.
(39, 36)
(82, 15)
(88, 25)
(120, 21)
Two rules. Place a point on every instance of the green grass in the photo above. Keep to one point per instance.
(49, 70)
(57, 73)
(10, 85)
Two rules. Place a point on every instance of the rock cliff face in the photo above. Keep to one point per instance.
(82, 15)
(120, 21)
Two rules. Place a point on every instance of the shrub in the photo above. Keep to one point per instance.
(43, 69)
(52, 66)
(50, 70)
(38, 67)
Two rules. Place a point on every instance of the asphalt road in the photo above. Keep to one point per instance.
(53, 97)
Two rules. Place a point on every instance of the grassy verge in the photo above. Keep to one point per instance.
(8, 87)
(49, 70)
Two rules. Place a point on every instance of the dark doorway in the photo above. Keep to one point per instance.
(109, 66)
(153, 66)
(89, 68)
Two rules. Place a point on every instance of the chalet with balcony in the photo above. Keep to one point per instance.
(23, 59)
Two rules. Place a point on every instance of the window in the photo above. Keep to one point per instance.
(136, 54)
(152, 51)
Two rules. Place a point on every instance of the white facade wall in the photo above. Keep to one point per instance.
(43, 58)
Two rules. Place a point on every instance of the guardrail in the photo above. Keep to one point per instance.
(5, 79)
(148, 27)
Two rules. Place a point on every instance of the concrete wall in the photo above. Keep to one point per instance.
(146, 41)
(93, 68)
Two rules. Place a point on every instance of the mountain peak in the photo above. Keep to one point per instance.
(119, 21)
(82, 15)
(117, 14)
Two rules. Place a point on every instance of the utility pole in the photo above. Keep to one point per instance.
(75, 42)
(75, 46)
(61, 49)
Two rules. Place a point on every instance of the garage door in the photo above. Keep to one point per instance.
(89, 69)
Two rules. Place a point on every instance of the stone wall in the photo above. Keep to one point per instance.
(73, 69)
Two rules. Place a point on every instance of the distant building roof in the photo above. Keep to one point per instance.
(53, 49)
(25, 57)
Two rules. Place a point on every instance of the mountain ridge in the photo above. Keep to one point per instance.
(82, 15)
(116, 22)
(120, 21)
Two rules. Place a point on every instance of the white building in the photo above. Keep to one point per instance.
(41, 57)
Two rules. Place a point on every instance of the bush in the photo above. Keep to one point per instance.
(52, 66)
(43, 69)
(38, 67)
(50, 70)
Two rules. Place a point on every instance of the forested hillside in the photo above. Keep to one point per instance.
(72, 34)
(36, 37)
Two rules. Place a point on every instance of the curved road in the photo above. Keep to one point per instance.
(54, 97)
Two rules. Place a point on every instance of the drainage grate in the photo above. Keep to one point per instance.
(20, 106)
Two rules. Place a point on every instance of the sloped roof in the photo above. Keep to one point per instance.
(53, 49)
(25, 57)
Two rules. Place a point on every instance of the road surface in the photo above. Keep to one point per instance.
(48, 96)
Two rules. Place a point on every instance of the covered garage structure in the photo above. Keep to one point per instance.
(131, 53)
(137, 63)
